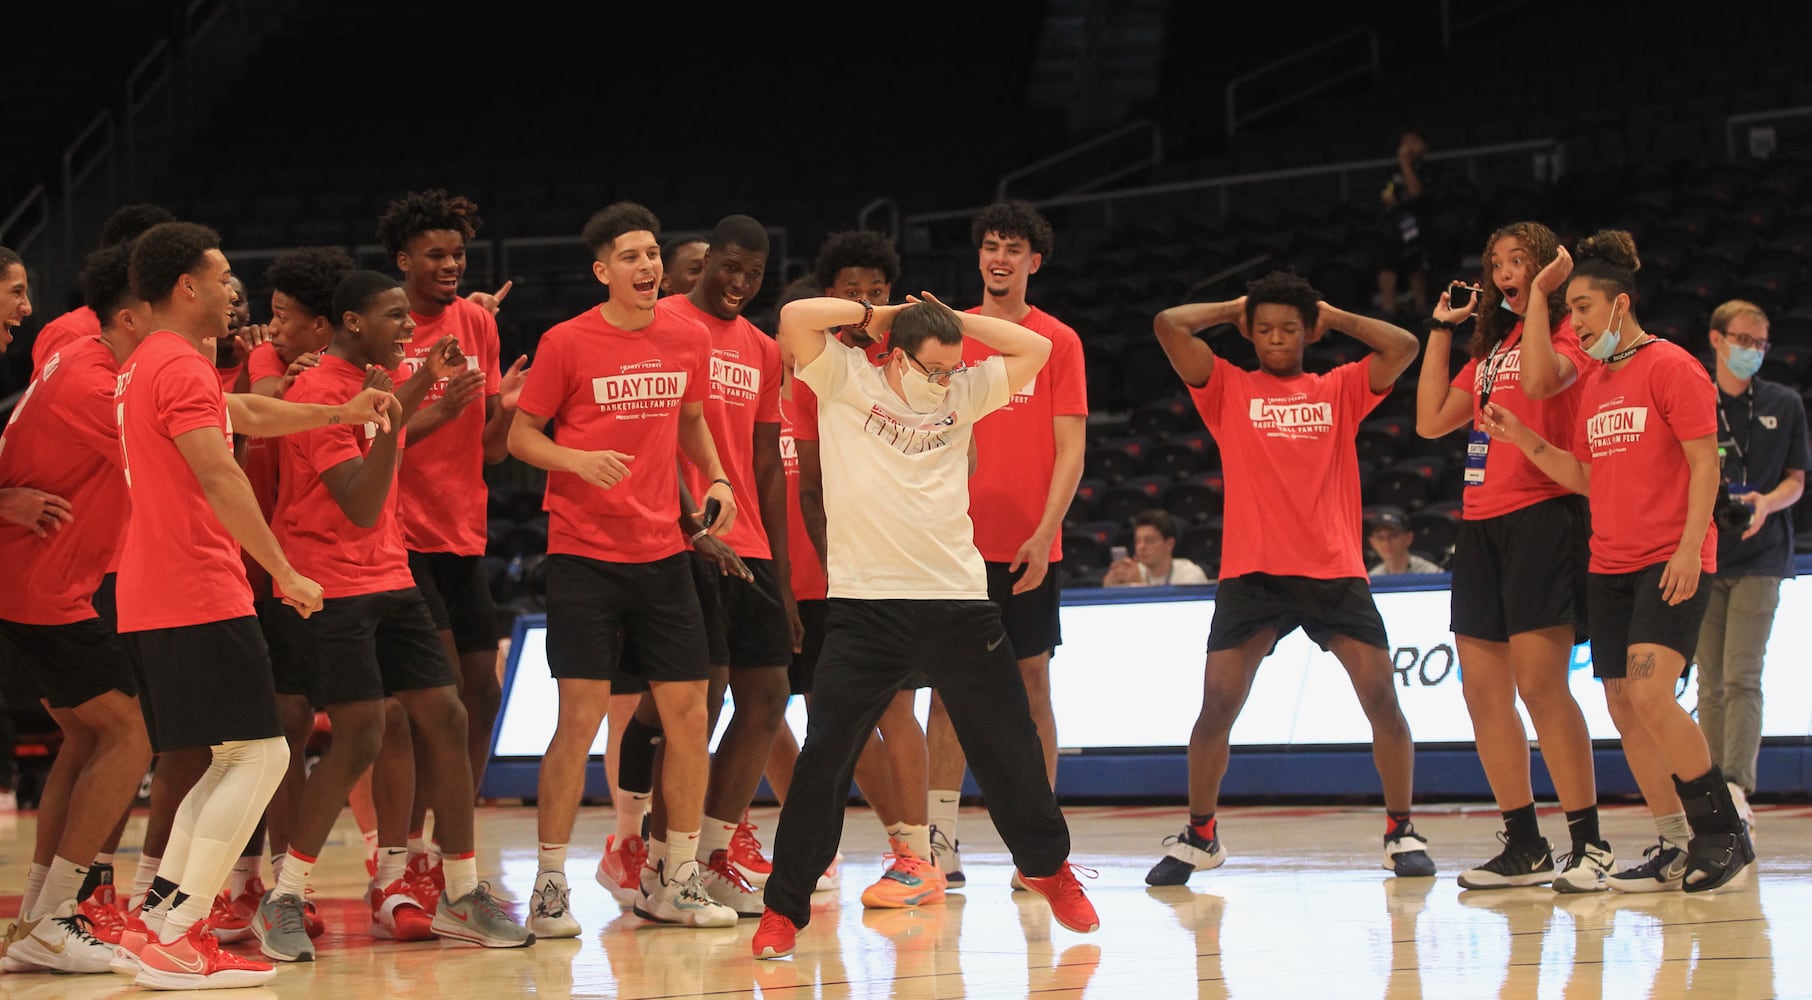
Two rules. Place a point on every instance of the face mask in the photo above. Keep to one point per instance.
(1606, 344)
(1504, 304)
(922, 394)
(1743, 362)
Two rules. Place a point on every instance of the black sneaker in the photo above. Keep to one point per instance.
(1518, 865)
(1662, 871)
(1406, 853)
(1187, 855)
(1712, 859)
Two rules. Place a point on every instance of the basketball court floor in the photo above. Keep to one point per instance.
(1301, 909)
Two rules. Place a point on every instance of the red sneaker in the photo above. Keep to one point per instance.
(195, 962)
(426, 880)
(133, 938)
(1068, 903)
(226, 922)
(620, 869)
(104, 921)
(745, 853)
(311, 918)
(775, 937)
(396, 916)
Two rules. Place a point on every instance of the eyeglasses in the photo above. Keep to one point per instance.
(939, 377)
(1745, 341)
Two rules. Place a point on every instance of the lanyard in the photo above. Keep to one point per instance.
(1741, 447)
(1488, 370)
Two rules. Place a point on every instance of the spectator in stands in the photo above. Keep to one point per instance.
(1152, 563)
(1405, 225)
(1762, 436)
(1390, 536)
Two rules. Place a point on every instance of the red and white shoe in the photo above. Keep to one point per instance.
(397, 916)
(105, 921)
(133, 938)
(196, 962)
(311, 918)
(426, 880)
(745, 854)
(620, 869)
(231, 917)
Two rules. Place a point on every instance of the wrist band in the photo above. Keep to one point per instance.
(726, 483)
(868, 313)
(702, 532)
(1431, 324)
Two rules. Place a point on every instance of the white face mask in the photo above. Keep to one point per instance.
(922, 394)
(1606, 344)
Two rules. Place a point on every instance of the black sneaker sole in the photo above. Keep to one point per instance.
(1169, 871)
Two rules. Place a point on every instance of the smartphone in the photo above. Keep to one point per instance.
(1459, 295)
(1117, 554)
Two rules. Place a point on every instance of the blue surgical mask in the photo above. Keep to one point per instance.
(1504, 304)
(1743, 362)
(1606, 344)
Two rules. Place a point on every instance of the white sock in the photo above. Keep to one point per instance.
(142, 877)
(941, 807)
(893, 833)
(34, 887)
(1674, 827)
(682, 852)
(392, 864)
(297, 870)
(277, 865)
(418, 844)
(178, 921)
(244, 870)
(629, 816)
(916, 839)
(552, 858)
(714, 837)
(61, 884)
(462, 875)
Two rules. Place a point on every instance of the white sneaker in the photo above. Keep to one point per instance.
(1664, 870)
(683, 900)
(947, 856)
(60, 943)
(832, 879)
(1586, 871)
(550, 913)
(1741, 801)
(724, 882)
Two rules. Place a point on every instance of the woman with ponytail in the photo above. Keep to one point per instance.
(1519, 559)
(1647, 456)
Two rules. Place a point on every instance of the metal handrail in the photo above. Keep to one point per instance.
(1157, 156)
(1750, 118)
(891, 207)
(1371, 67)
(73, 178)
(1226, 272)
(38, 196)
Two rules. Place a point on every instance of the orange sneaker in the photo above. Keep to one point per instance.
(1068, 902)
(396, 916)
(908, 881)
(776, 937)
(196, 962)
(620, 869)
(745, 854)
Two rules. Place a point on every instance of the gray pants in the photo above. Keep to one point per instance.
(1731, 642)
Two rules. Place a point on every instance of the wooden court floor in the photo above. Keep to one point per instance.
(1301, 909)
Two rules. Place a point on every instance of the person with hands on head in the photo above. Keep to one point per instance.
(1762, 442)
(1291, 554)
(626, 386)
(1520, 556)
(908, 592)
(1646, 456)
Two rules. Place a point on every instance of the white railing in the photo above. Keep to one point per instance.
(90, 151)
(1732, 123)
(1367, 67)
(1151, 156)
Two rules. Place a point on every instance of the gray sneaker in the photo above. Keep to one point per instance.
(280, 930)
(477, 918)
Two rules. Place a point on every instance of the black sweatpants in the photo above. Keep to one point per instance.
(869, 648)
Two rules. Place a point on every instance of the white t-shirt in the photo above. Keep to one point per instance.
(896, 483)
(1183, 573)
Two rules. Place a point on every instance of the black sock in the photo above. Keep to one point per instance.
(1522, 828)
(178, 899)
(161, 889)
(1397, 822)
(94, 878)
(1582, 826)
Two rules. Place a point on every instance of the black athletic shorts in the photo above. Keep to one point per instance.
(207, 684)
(805, 662)
(371, 646)
(1521, 571)
(72, 664)
(1031, 618)
(107, 605)
(755, 625)
(459, 598)
(1627, 609)
(1246, 605)
(596, 611)
(287, 639)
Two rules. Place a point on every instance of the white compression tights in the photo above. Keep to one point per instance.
(219, 814)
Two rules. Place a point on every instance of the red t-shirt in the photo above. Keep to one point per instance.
(1016, 449)
(1512, 482)
(745, 391)
(264, 362)
(320, 540)
(259, 458)
(167, 389)
(609, 389)
(1634, 419)
(63, 439)
(1291, 469)
(71, 326)
(809, 583)
(442, 478)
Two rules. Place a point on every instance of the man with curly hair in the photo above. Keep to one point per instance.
(123, 226)
(1292, 554)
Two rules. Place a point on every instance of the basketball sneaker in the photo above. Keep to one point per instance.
(948, 857)
(232, 923)
(427, 880)
(776, 937)
(1517, 865)
(1069, 904)
(745, 854)
(683, 900)
(832, 879)
(278, 925)
(1187, 854)
(551, 913)
(1663, 871)
(133, 939)
(105, 921)
(908, 880)
(59, 942)
(478, 918)
(196, 962)
(620, 869)
(1713, 859)
(1406, 853)
(723, 881)
(1586, 870)
(397, 916)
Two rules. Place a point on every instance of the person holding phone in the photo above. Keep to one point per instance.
(1646, 453)
(1519, 558)
(1152, 563)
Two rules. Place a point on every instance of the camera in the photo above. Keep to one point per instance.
(1459, 295)
(1729, 513)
